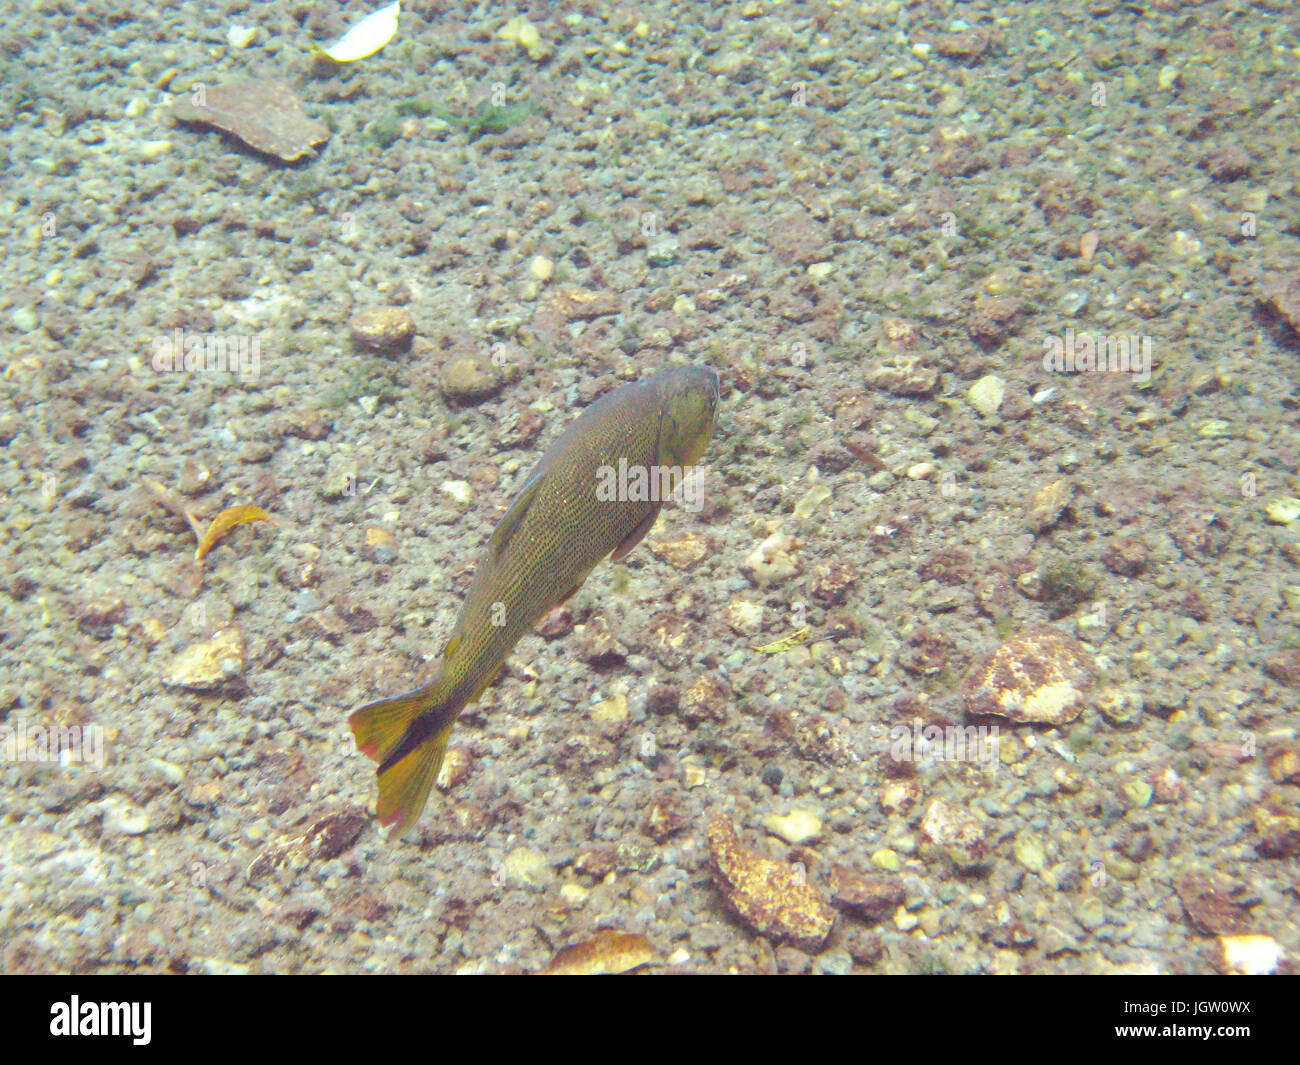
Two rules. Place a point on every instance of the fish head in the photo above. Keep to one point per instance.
(687, 408)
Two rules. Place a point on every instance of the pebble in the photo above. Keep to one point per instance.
(541, 268)
(1119, 706)
(574, 894)
(868, 898)
(610, 711)
(264, 113)
(122, 818)
(382, 328)
(26, 320)
(797, 827)
(745, 617)
(380, 544)
(887, 860)
(986, 395)
(836, 962)
(812, 501)
(208, 664)
(525, 34)
(241, 36)
(772, 560)
(1278, 829)
(1283, 511)
(904, 375)
(221, 967)
(1029, 852)
(527, 867)
(1251, 955)
(1050, 503)
(1284, 765)
(957, 832)
(469, 379)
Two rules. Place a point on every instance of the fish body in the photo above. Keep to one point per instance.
(574, 509)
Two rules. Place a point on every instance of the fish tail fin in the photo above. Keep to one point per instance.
(379, 727)
(407, 735)
(404, 784)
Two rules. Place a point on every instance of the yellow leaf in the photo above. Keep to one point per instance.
(365, 38)
(227, 520)
(786, 642)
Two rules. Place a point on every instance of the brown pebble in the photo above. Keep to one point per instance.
(1284, 667)
(468, 379)
(870, 898)
(705, 700)
(1284, 765)
(383, 328)
(663, 818)
(1208, 905)
(993, 319)
(1278, 828)
(1125, 556)
(1280, 296)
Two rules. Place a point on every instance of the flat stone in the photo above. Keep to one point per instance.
(263, 113)
(1039, 675)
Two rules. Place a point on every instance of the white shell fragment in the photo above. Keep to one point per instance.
(366, 37)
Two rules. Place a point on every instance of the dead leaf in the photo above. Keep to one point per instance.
(227, 520)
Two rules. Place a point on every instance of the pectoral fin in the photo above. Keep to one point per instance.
(635, 536)
(509, 525)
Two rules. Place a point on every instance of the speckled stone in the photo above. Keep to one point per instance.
(774, 898)
(1039, 675)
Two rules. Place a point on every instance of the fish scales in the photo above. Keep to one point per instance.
(537, 569)
(557, 529)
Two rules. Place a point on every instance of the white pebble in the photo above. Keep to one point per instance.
(240, 36)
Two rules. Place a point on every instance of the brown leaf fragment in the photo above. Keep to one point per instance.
(605, 953)
(263, 113)
(227, 520)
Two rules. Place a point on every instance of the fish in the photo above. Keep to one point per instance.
(594, 494)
